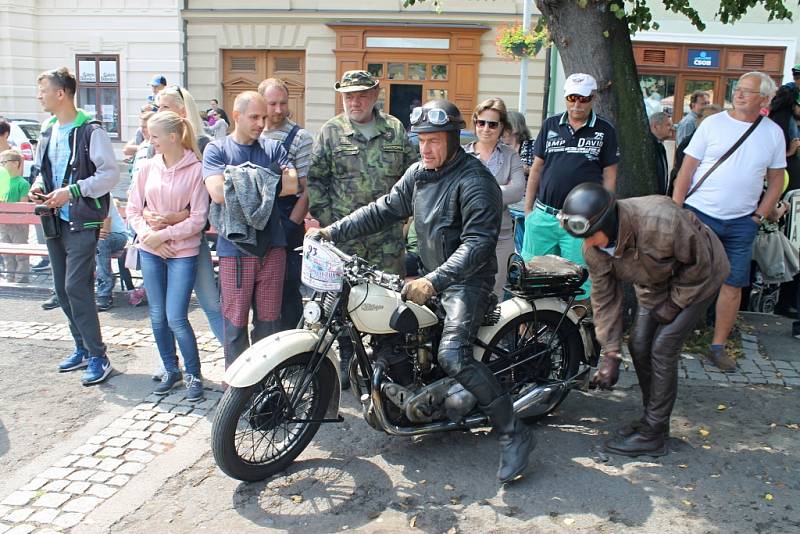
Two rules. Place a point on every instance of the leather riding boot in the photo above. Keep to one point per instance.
(645, 441)
(516, 439)
(636, 426)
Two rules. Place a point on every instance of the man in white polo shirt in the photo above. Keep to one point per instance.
(730, 199)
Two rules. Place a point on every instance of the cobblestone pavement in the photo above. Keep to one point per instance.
(71, 487)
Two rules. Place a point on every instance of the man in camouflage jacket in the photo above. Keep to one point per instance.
(358, 156)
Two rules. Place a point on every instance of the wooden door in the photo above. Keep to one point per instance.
(243, 70)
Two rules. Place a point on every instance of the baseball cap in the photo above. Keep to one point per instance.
(158, 80)
(580, 84)
(355, 80)
(796, 69)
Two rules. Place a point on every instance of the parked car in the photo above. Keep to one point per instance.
(24, 137)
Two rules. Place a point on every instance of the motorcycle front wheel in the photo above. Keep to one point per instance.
(559, 346)
(258, 431)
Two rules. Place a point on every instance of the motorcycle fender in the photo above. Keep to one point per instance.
(265, 355)
(516, 306)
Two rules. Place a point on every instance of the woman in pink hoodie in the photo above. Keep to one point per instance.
(170, 182)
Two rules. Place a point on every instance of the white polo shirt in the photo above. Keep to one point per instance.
(734, 188)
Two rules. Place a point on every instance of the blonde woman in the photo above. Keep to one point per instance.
(490, 120)
(171, 181)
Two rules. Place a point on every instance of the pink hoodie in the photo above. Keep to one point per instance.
(163, 190)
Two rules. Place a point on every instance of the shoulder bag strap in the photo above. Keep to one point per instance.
(725, 156)
(287, 143)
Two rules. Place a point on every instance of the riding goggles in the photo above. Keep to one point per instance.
(575, 224)
(436, 116)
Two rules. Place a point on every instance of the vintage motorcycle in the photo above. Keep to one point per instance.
(537, 343)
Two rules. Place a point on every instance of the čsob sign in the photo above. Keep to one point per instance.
(703, 59)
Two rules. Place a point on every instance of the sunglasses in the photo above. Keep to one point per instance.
(579, 98)
(484, 124)
(435, 116)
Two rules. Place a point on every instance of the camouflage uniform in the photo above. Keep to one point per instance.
(349, 171)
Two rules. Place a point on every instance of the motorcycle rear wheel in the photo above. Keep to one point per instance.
(533, 330)
(255, 433)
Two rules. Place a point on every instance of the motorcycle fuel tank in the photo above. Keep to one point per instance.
(371, 307)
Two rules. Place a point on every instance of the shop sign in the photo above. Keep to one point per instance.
(703, 59)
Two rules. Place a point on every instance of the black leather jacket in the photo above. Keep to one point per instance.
(457, 212)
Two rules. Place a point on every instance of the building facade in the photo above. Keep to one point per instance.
(115, 47)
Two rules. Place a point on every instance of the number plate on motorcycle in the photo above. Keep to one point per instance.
(322, 269)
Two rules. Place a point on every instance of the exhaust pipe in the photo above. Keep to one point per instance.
(541, 399)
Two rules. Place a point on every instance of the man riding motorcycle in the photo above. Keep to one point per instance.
(457, 208)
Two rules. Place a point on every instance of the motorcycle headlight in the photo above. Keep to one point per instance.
(312, 312)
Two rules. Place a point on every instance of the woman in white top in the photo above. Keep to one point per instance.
(490, 119)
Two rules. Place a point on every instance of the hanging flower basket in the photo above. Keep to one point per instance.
(515, 43)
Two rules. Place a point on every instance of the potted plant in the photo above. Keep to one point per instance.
(515, 43)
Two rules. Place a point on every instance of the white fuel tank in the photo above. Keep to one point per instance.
(371, 307)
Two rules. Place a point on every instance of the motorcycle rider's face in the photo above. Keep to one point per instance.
(433, 149)
(597, 239)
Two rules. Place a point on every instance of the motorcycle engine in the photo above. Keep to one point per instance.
(398, 362)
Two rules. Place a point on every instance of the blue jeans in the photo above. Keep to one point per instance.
(104, 276)
(207, 291)
(737, 236)
(169, 282)
(519, 229)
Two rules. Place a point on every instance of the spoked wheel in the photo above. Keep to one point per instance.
(258, 431)
(558, 348)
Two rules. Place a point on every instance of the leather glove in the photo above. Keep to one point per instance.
(607, 372)
(418, 291)
(320, 233)
(665, 312)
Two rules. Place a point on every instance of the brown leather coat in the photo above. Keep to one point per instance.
(665, 251)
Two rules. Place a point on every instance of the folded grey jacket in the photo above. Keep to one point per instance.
(249, 192)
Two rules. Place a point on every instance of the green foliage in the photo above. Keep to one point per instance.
(639, 16)
(513, 42)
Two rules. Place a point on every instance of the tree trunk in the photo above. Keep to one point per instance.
(609, 58)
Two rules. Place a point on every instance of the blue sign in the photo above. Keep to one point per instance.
(703, 59)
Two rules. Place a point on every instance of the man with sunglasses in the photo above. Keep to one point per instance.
(358, 156)
(457, 208)
(572, 148)
(676, 265)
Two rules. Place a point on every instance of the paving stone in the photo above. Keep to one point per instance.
(57, 473)
(697, 376)
(19, 515)
(78, 487)
(87, 462)
(101, 490)
(47, 531)
(181, 410)
(45, 515)
(19, 498)
(66, 461)
(153, 398)
(122, 423)
(118, 480)
(52, 500)
(4, 509)
(158, 426)
(111, 432)
(82, 505)
(139, 444)
(140, 425)
(158, 437)
(68, 519)
(110, 452)
(748, 337)
(718, 377)
(186, 420)
(97, 440)
(130, 468)
(81, 475)
(176, 430)
(100, 476)
(87, 450)
(774, 380)
(109, 464)
(138, 456)
(136, 434)
(117, 442)
(56, 485)
(737, 379)
(782, 364)
(144, 416)
(21, 529)
(198, 413)
(35, 484)
(164, 417)
(158, 448)
(147, 405)
(207, 404)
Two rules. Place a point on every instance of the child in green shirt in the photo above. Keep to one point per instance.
(14, 188)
